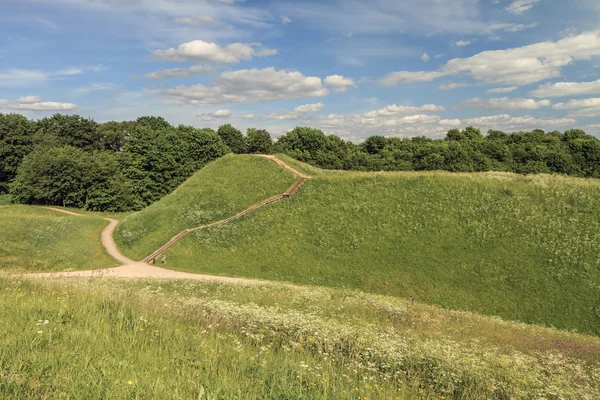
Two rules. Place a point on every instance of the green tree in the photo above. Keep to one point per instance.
(16, 141)
(68, 130)
(259, 141)
(232, 138)
(52, 176)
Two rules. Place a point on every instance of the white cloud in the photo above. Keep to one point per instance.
(250, 86)
(455, 85)
(518, 7)
(221, 114)
(509, 123)
(450, 122)
(35, 103)
(563, 89)
(249, 116)
(298, 113)
(286, 20)
(576, 104)
(425, 57)
(199, 50)
(29, 99)
(395, 78)
(586, 113)
(505, 103)
(199, 20)
(307, 108)
(511, 27)
(516, 66)
(502, 90)
(181, 72)
(339, 83)
(463, 43)
(585, 108)
(393, 109)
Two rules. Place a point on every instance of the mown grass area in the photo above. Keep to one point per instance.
(521, 247)
(120, 339)
(36, 239)
(219, 190)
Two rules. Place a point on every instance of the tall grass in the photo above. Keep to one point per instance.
(36, 239)
(157, 339)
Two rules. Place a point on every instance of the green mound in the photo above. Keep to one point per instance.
(219, 190)
(523, 248)
(37, 239)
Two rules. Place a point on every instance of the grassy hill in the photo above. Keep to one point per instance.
(521, 247)
(123, 339)
(36, 239)
(219, 190)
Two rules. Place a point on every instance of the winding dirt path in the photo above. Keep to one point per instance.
(138, 269)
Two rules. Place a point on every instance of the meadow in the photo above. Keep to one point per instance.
(36, 239)
(123, 339)
(520, 247)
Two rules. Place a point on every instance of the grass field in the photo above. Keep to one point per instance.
(523, 248)
(123, 339)
(35, 239)
(219, 190)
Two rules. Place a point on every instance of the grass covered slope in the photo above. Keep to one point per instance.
(219, 190)
(123, 339)
(37, 239)
(523, 248)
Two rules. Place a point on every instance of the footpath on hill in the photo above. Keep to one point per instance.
(140, 269)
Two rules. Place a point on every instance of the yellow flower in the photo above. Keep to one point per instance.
(129, 382)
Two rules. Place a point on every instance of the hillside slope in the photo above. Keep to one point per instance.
(37, 239)
(219, 190)
(523, 248)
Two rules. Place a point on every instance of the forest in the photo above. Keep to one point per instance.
(71, 161)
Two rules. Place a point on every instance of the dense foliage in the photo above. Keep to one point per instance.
(72, 161)
(572, 153)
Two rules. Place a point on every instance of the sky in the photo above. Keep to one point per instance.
(354, 68)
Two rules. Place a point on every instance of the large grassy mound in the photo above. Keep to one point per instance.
(219, 190)
(37, 239)
(524, 248)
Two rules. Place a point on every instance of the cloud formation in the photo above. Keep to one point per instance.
(201, 51)
(517, 66)
(250, 86)
(35, 103)
(518, 7)
(564, 89)
(505, 103)
(339, 83)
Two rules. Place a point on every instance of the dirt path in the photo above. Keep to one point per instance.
(64, 211)
(133, 269)
(284, 165)
(109, 243)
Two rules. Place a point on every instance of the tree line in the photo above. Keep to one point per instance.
(71, 161)
(570, 153)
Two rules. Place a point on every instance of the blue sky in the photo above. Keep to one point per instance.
(354, 68)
